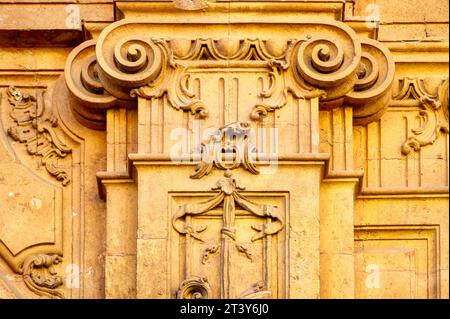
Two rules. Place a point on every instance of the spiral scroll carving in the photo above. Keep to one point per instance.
(40, 275)
(133, 63)
(194, 288)
(372, 90)
(331, 64)
(82, 80)
(322, 61)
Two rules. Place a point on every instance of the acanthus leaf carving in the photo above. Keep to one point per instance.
(40, 276)
(36, 129)
(434, 112)
(172, 81)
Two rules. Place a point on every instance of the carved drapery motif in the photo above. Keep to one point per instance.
(40, 276)
(333, 65)
(35, 127)
(228, 197)
(434, 112)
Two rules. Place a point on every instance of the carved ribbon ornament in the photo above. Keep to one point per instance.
(229, 196)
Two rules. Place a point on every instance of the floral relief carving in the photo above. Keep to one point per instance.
(40, 276)
(35, 127)
(433, 115)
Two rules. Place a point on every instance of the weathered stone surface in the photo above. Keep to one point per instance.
(224, 149)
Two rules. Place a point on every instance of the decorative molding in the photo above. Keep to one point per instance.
(194, 288)
(324, 60)
(234, 142)
(40, 276)
(36, 129)
(434, 113)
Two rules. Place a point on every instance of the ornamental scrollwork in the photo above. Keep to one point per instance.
(433, 113)
(228, 148)
(194, 288)
(35, 127)
(40, 276)
(332, 65)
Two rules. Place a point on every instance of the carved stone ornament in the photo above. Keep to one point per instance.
(433, 115)
(229, 148)
(194, 288)
(132, 59)
(40, 276)
(35, 127)
(228, 197)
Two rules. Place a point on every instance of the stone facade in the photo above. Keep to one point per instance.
(224, 149)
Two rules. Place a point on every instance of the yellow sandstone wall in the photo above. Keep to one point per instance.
(347, 197)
